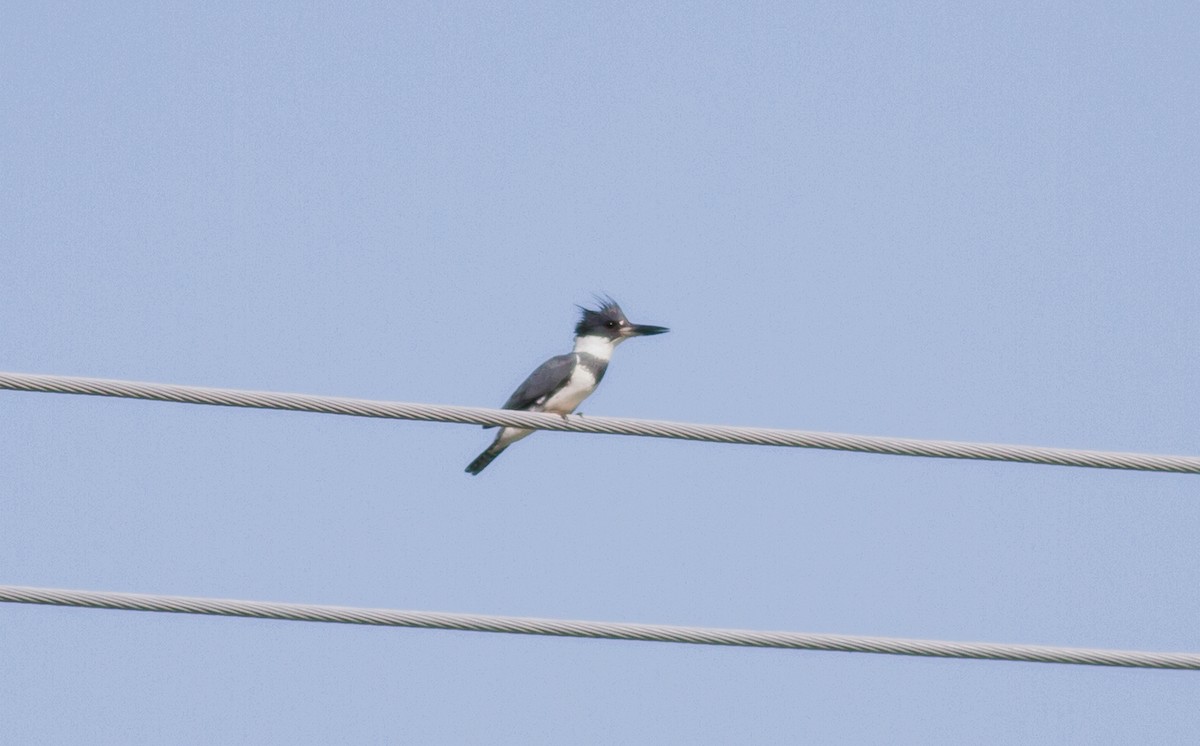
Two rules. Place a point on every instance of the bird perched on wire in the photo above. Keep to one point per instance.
(561, 383)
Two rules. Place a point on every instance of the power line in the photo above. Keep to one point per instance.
(608, 425)
(597, 630)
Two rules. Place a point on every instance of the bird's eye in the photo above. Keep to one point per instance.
(611, 324)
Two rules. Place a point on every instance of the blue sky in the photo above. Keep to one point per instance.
(923, 220)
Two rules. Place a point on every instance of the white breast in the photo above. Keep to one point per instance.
(564, 401)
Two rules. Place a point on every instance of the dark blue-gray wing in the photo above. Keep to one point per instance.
(550, 376)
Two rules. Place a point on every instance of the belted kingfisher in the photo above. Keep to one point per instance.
(561, 383)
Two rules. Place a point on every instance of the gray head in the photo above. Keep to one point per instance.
(609, 322)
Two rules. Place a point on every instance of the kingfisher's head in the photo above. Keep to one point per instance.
(608, 322)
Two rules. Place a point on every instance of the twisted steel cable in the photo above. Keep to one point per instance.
(607, 425)
(597, 630)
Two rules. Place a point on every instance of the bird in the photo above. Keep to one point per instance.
(560, 384)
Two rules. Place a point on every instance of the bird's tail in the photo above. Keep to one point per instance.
(482, 460)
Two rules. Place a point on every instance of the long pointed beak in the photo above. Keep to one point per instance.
(646, 330)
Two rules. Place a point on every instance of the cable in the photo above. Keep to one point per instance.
(609, 425)
(597, 630)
